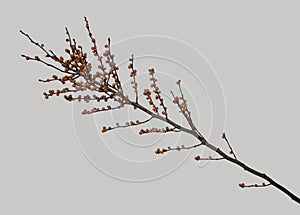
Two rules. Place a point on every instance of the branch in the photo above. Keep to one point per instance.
(133, 74)
(243, 185)
(96, 109)
(128, 124)
(183, 108)
(198, 158)
(158, 130)
(231, 150)
(157, 92)
(77, 66)
(177, 148)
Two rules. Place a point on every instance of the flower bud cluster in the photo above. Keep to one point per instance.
(157, 130)
(157, 91)
(182, 105)
(147, 93)
(133, 75)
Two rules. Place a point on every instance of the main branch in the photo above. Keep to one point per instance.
(106, 86)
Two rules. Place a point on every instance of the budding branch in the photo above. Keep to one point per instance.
(106, 82)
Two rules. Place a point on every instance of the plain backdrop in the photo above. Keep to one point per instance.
(253, 47)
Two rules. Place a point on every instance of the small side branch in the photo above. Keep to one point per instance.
(243, 185)
(231, 150)
(133, 75)
(38, 59)
(147, 94)
(94, 47)
(114, 68)
(158, 130)
(127, 124)
(177, 148)
(181, 103)
(157, 92)
(96, 109)
(41, 46)
(198, 158)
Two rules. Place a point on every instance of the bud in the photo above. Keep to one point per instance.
(197, 158)
(157, 151)
(242, 185)
(104, 129)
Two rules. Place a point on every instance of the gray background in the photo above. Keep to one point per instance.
(254, 48)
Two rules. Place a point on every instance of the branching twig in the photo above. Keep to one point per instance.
(133, 75)
(183, 108)
(231, 150)
(177, 148)
(198, 158)
(131, 123)
(243, 185)
(81, 78)
(157, 91)
(158, 130)
(96, 109)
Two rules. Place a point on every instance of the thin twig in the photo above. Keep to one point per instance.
(134, 79)
(242, 185)
(132, 123)
(198, 158)
(231, 150)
